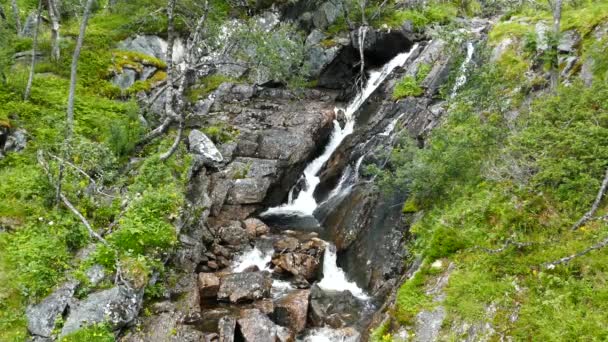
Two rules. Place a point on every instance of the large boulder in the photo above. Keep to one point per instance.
(243, 287)
(208, 285)
(41, 317)
(203, 147)
(254, 326)
(334, 309)
(233, 234)
(153, 46)
(299, 259)
(164, 327)
(117, 306)
(292, 310)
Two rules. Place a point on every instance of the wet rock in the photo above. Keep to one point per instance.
(336, 309)
(243, 287)
(254, 326)
(255, 227)
(292, 310)
(227, 328)
(208, 285)
(42, 316)
(203, 147)
(297, 264)
(233, 234)
(118, 306)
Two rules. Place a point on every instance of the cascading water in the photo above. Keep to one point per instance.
(334, 278)
(304, 203)
(253, 257)
(462, 77)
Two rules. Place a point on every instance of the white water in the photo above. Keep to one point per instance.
(329, 335)
(462, 78)
(334, 278)
(305, 203)
(391, 126)
(253, 257)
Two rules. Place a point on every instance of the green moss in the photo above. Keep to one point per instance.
(511, 29)
(513, 66)
(207, 85)
(221, 133)
(434, 13)
(94, 333)
(410, 85)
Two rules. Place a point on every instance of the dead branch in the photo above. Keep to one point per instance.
(176, 142)
(508, 242)
(598, 199)
(565, 260)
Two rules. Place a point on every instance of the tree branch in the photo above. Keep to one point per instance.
(565, 260)
(598, 199)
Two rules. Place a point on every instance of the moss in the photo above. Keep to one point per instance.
(513, 66)
(94, 333)
(511, 29)
(207, 85)
(410, 85)
(135, 60)
(434, 13)
(221, 133)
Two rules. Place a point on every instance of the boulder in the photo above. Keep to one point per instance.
(125, 79)
(286, 244)
(569, 41)
(292, 310)
(117, 306)
(203, 147)
(248, 191)
(254, 326)
(95, 274)
(242, 287)
(255, 227)
(153, 46)
(42, 316)
(335, 309)
(164, 327)
(298, 264)
(208, 285)
(326, 15)
(12, 141)
(233, 234)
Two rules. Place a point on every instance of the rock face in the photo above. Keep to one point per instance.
(118, 306)
(254, 326)
(292, 310)
(153, 46)
(242, 287)
(42, 316)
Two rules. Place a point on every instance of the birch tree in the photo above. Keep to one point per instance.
(30, 79)
(54, 16)
(16, 15)
(71, 95)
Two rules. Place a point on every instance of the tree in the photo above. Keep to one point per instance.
(556, 10)
(16, 15)
(54, 16)
(30, 79)
(72, 96)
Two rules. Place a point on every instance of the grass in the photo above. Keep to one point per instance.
(410, 85)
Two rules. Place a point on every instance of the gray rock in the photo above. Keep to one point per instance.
(325, 15)
(248, 191)
(29, 26)
(587, 71)
(118, 306)
(147, 72)
(153, 46)
(42, 316)
(541, 30)
(125, 79)
(500, 49)
(16, 141)
(336, 309)
(569, 41)
(428, 324)
(254, 326)
(203, 147)
(242, 287)
(227, 329)
(95, 274)
(164, 327)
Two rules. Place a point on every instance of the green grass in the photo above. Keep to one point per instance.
(434, 13)
(410, 85)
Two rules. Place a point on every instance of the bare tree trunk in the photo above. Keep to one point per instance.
(596, 204)
(17, 16)
(71, 96)
(30, 79)
(556, 8)
(169, 57)
(54, 18)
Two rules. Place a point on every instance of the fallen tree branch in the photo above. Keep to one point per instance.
(176, 142)
(508, 243)
(598, 199)
(551, 265)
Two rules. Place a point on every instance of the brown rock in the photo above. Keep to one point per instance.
(264, 305)
(254, 326)
(208, 285)
(255, 227)
(288, 244)
(292, 310)
(298, 264)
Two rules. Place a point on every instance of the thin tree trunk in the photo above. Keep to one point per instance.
(71, 96)
(54, 18)
(596, 204)
(169, 57)
(30, 79)
(17, 16)
(557, 17)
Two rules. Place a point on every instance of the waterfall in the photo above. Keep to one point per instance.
(334, 278)
(391, 126)
(462, 77)
(304, 203)
(253, 257)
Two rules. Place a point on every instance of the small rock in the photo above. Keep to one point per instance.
(41, 317)
(227, 328)
(202, 146)
(208, 285)
(569, 41)
(255, 227)
(233, 234)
